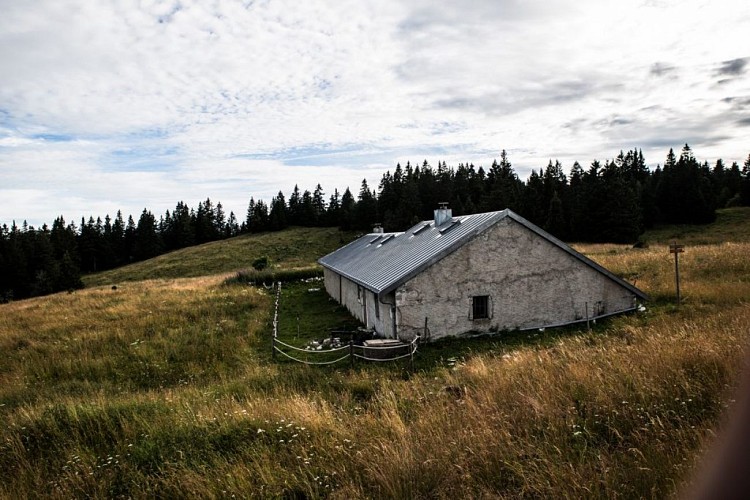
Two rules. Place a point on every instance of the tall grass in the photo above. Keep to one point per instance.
(271, 276)
(165, 388)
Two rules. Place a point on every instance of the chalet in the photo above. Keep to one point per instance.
(484, 272)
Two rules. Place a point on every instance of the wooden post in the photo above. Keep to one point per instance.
(411, 352)
(677, 250)
(588, 325)
(275, 321)
(351, 353)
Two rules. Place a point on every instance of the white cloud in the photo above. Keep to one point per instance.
(126, 104)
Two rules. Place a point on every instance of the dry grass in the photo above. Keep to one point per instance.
(165, 388)
(709, 274)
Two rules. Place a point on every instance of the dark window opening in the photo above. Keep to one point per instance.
(480, 307)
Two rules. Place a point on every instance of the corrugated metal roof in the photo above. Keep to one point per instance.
(383, 264)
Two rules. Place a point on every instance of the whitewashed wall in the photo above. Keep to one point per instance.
(360, 302)
(531, 284)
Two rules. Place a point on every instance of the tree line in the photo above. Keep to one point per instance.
(610, 202)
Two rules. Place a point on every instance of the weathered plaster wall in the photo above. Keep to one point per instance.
(531, 283)
(331, 281)
(346, 292)
(362, 303)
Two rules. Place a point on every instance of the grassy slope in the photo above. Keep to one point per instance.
(292, 248)
(165, 388)
(732, 226)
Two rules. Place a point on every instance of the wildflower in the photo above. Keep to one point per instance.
(260, 431)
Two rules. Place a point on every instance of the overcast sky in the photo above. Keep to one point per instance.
(114, 104)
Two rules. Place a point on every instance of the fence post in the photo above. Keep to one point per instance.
(411, 349)
(351, 353)
(275, 321)
(588, 325)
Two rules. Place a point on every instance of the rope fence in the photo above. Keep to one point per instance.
(277, 345)
(345, 356)
(310, 351)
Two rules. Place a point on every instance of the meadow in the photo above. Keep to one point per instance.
(165, 386)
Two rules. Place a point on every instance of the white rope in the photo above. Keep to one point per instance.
(309, 350)
(385, 359)
(412, 350)
(312, 362)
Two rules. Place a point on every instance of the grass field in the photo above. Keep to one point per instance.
(166, 387)
(296, 247)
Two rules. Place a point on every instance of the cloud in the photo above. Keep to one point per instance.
(735, 67)
(110, 104)
(660, 69)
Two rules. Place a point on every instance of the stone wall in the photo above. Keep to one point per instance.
(531, 283)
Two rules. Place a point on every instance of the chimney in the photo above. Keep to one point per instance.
(378, 228)
(442, 214)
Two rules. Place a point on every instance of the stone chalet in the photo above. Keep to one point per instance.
(484, 272)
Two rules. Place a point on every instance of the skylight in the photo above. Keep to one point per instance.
(451, 226)
(421, 229)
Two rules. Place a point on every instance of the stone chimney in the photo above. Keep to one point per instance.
(442, 214)
(378, 228)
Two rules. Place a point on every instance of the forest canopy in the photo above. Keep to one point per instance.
(611, 202)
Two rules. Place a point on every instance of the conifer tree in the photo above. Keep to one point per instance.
(334, 208)
(319, 205)
(277, 219)
(366, 208)
(147, 243)
(346, 213)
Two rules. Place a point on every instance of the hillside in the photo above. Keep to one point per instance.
(165, 387)
(732, 226)
(291, 248)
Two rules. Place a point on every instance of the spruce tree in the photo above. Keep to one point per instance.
(277, 219)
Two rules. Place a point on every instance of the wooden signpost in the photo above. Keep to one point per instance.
(677, 250)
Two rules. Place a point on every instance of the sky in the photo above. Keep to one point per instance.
(114, 105)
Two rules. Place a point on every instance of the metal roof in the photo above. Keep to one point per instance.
(381, 262)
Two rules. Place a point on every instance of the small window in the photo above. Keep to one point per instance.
(480, 308)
